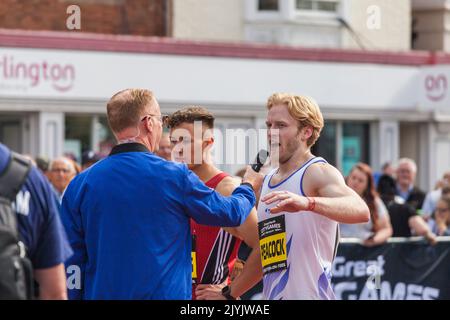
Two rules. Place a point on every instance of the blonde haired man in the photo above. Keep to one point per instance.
(302, 202)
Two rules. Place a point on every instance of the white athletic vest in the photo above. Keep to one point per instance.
(297, 249)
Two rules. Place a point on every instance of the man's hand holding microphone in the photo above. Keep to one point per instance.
(253, 176)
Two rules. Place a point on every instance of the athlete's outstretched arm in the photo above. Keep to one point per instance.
(252, 272)
(327, 194)
(206, 206)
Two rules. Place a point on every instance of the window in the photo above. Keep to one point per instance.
(77, 136)
(355, 145)
(325, 147)
(104, 137)
(268, 5)
(318, 5)
(87, 132)
(11, 132)
(344, 144)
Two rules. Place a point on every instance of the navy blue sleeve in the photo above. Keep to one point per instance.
(209, 207)
(71, 218)
(51, 246)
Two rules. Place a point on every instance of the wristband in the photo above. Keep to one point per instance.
(226, 292)
(312, 204)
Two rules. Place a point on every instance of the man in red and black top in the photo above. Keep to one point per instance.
(214, 249)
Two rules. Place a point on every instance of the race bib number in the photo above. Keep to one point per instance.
(194, 260)
(272, 241)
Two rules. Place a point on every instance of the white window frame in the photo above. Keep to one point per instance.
(288, 12)
(252, 13)
(314, 13)
(268, 11)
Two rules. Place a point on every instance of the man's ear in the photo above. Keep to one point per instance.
(306, 133)
(148, 124)
(208, 143)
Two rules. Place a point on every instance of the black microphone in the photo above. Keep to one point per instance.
(260, 160)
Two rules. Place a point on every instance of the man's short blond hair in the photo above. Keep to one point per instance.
(303, 109)
(126, 107)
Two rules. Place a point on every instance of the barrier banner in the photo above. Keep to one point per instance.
(410, 270)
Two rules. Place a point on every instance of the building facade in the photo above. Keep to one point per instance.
(348, 24)
(97, 16)
(378, 106)
(430, 25)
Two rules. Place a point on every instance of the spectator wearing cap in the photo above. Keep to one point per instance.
(89, 158)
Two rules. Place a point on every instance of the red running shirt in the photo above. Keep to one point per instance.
(214, 250)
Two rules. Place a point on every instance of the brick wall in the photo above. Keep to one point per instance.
(136, 17)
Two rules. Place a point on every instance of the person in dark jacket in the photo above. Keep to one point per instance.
(405, 220)
(41, 231)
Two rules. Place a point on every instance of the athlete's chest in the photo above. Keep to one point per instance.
(277, 178)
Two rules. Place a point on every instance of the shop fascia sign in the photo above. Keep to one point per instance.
(22, 75)
(435, 88)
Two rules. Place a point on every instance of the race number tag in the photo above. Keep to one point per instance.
(194, 260)
(272, 241)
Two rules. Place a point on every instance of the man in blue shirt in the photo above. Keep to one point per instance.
(41, 231)
(127, 216)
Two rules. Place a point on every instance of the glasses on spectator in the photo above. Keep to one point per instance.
(57, 170)
(162, 118)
